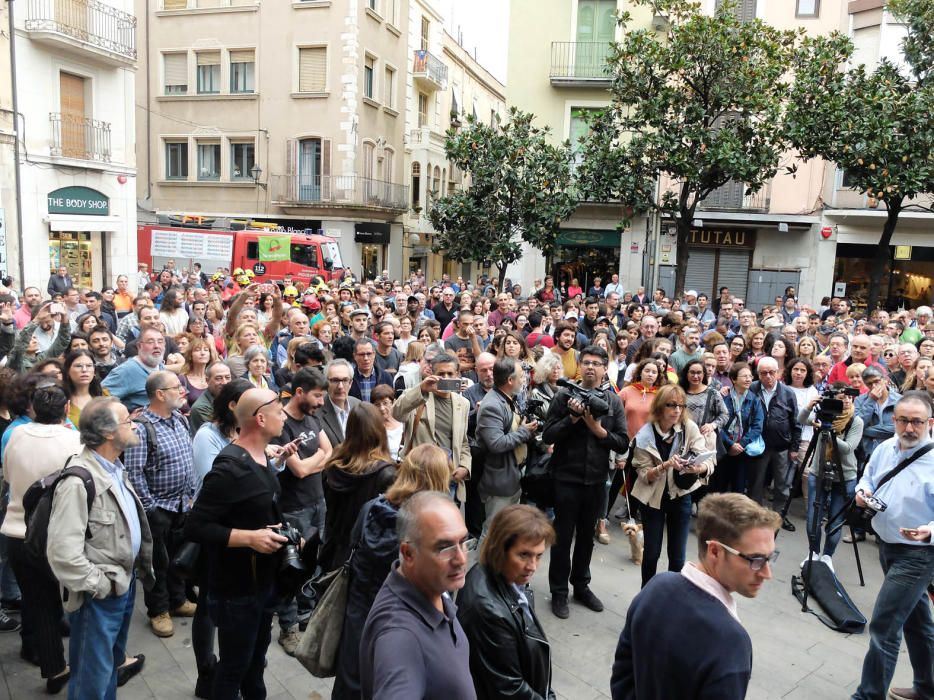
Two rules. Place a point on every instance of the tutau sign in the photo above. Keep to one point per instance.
(743, 238)
(78, 200)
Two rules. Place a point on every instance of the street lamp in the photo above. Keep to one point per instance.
(257, 172)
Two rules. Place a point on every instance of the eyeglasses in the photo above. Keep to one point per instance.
(174, 387)
(679, 406)
(263, 405)
(447, 553)
(755, 562)
(339, 380)
(591, 363)
(913, 422)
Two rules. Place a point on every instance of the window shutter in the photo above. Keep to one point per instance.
(174, 4)
(242, 56)
(176, 68)
(312, 69)
(209, 58)
(325, 169)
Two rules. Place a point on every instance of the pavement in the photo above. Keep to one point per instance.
(794, 655)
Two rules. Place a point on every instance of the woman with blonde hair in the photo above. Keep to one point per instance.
(376, 546)
(806, 349)
(409, 373)
(199, 355)
(666, 476)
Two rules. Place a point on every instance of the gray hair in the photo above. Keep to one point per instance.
(444, 358)
(433, 349)
(338, 362)
(407, 525)
(156, 381)
(917, 396)
(545, 366)
(98, 420)
(254, 351)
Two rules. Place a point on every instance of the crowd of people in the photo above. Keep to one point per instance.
(396, 426)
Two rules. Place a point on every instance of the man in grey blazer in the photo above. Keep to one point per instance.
(339, 403)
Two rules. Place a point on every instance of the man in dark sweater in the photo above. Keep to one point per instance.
(654, 659)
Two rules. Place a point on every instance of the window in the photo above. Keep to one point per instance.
(808, 8)
(242, 159)
(579, 129)
(745, 10)
(392, 11)
(371, 4)
(426, 32)
(369, 66)
(389, 87)
(175, 73)
(312, 69)
(209, 72)
(176, 160)
(848, 180)
(416, 185)
(209, 161)
(243, 71)
(174, 4)
(422, 109)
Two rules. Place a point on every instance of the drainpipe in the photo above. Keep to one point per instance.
(16, 135)
(148, 117)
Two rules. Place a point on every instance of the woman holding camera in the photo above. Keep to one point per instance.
(666, 476)
(509, 653)
(847, 433)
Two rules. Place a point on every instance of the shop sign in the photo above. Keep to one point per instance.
(722, 238)
(369, 232)
(903, 252)
(78, 200)
(593, 238)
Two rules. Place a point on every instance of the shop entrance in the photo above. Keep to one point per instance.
(74, 251)
(584, 255)
(719, 258)
(905, 283)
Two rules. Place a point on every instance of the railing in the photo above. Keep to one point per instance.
(425, 136)
(340, 190)
(428, 66)
(90, 21)
(579, 61)
(80, 138)
(732, 196)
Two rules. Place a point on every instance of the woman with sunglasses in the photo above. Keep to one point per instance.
(667, 474)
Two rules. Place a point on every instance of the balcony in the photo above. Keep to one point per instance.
(426, 137)
(732, 197)
(340, 191)
(579, 64)
(80, 138)
(85, 26)
(429, 72)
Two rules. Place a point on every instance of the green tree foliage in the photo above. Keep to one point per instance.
(698, 104)
(875, 125)
(519, 190)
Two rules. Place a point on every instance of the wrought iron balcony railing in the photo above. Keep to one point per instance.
(429, 71)
(96, 24)
(339, 190)
(732, 197)
(80, 138)
(579, 63)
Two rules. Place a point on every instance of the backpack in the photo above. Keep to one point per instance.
(37, 506)
(152, 446)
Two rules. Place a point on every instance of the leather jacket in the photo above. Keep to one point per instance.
(510, 657)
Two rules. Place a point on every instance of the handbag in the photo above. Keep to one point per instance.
(321, 640)
(186, 559)
(859, 517)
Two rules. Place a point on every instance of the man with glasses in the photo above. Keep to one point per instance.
(160, 469)
(413, 645)
(580, 461)
(736, 543)
(338, 404)
(906, 553)
(366, 375)
(127, 382)
(782, 435)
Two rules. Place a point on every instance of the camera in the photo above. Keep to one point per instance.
(830, 407)
(877, 504)
(533, 410)
(591, 398)
(291, 549)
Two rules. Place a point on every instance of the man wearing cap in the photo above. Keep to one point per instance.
(360, 324)
(690, 300)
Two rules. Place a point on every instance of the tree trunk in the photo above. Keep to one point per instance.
(684, 228)
(882, 254)
(502, 276)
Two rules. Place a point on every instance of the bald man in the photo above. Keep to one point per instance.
(233, 520)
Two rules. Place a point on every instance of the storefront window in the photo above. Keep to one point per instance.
(905, 283)
(73, 250)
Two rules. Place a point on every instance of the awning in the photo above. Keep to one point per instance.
(72, 222)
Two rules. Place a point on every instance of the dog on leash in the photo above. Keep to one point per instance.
(633, 532)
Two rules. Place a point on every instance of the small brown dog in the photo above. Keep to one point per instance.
(633, 531)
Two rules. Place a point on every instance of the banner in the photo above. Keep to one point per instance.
(274, 247)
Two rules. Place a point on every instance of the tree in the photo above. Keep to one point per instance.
(874, 125)
(698, 104)
(519, 190)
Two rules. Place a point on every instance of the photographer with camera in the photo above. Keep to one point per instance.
(504, 435)
(903, 522)
(236, 519)
(584, 423)
(823, 482)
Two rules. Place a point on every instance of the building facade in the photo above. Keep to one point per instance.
(285, 112)
(446, 86)
(75, 84)
(9, 227)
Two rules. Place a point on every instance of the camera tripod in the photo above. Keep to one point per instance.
(827, 470)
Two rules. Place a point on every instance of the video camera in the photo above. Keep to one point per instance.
(591, 398)
(829, 408)
(533, 410)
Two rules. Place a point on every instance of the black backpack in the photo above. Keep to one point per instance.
(37, 505)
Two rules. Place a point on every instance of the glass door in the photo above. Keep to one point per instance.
(596, 29)
(309, 170)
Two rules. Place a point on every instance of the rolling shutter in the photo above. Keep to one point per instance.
(733, 271)
(312, 69)
(176, 68)
(209, 58)
(242, 56)
(174, 4)
(701, 266)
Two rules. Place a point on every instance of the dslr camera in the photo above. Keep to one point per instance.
(291, 549)
(830, 407)
(591, 398)
(533, 410)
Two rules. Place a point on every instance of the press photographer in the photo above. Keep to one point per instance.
(584, 423)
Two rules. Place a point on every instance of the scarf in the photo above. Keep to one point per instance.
(645, 390)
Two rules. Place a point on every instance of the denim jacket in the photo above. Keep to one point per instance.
(752, 415)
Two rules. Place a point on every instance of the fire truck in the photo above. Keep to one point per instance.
(188, 240)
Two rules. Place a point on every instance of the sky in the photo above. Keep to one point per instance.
(485, 28)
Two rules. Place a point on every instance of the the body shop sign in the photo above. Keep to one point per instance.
(78, 200)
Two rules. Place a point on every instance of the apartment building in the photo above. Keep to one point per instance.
(446, 85)
(9, 228)
(282, 112)
(75, 85)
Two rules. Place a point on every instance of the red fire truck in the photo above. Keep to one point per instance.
(309, 254)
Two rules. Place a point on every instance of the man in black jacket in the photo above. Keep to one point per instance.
(782, 435)
(581, 461)
(233, 519)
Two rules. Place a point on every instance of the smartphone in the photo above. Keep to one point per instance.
(450, 385)
(57, 309)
